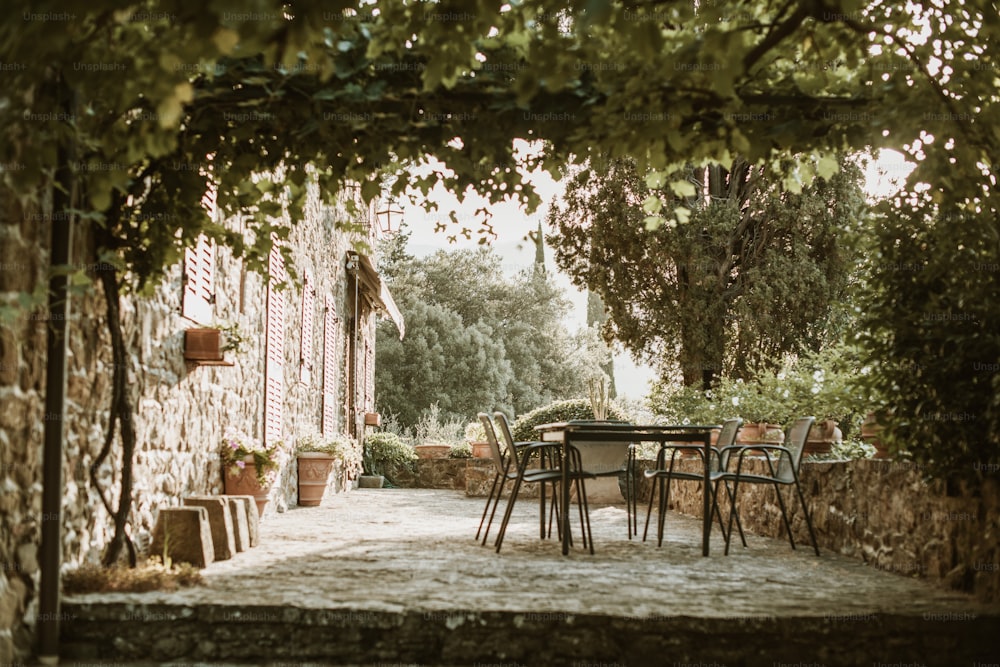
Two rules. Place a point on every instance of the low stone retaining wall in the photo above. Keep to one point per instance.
(430, 474)
(882, 512)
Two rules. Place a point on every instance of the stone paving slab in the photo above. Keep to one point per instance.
(396, 549)
(411, 553)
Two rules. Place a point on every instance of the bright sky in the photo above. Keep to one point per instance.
(512, 225)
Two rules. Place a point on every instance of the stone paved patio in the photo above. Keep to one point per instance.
(411, 553)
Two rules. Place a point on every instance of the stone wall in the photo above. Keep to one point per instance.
(181, 410)
(881, 512)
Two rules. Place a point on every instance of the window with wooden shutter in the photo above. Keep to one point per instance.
(274, 363)
(199, 271)
(306, 347)
(330, 331)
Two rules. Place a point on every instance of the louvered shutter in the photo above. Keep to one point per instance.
(274, 364)
(369, 378)
(199, 270)
(330, 326)
(199, 281)
(306, 348)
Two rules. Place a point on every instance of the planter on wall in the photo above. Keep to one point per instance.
(871, 432)
(203, 347)
(432, 451)
(373, 419)
(371, 481)
(244, 483)
(822, 436)
(314, 475)
(760, 433)
(481, 450)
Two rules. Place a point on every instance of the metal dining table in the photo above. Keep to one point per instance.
(577, 433)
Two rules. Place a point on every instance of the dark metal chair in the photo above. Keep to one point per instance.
(662, 473)
(785, 473)
(503, 464)
(549, 471)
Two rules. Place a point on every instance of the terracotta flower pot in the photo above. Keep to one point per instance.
(481, 450)
(822, 436)
(243, 482)
(314, 474)
(760, 433)
(871, 431)
(432, 451)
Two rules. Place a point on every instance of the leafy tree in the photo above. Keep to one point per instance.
(461, 368)
(750, 278)
(531, 358)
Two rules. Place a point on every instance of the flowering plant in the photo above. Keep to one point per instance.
(237, 446)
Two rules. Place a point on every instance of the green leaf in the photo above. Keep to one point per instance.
(652, 204)
(683, 188)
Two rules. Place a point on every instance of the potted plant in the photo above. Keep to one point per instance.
(381, 451)
(233, 338)
(250, 467)
(475, 435)
(316, 457)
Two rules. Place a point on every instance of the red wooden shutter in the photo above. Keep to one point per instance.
(306, 348)
(330, 322)
(274, 364)
(199, 281)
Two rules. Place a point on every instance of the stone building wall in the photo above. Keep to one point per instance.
(181, 411)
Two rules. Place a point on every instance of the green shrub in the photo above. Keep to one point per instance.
(382, 450)
(577, 408)
(461, 451)
(824, 385)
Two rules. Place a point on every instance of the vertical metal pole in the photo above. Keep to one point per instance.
(55, 396)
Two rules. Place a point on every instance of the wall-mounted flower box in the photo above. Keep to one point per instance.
(373, 419)
(203, 347)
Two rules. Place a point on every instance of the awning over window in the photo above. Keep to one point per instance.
(378, 293)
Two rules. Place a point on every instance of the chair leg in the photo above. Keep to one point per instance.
(489, 500)
(649, 510)
(541, 511)
(805, 511)
(732, 511)
(588, 535)
(739, 524)
(496, 502)
(784, 515)
(664, 508)
(714, 490)
(509, 510)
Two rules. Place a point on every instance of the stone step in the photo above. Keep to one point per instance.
(101, 632)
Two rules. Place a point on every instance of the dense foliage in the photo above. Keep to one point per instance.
(384, 450)
(477, 340)
(523, 427)
(824, 384)
(135, 106)
(932, 335)
(753, 276)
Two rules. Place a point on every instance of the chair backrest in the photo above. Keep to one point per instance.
(491, 437)
(795, 442)
(505, 431)
(727, 437)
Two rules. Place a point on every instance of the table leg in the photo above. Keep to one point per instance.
(706, 527)
(564, 490)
